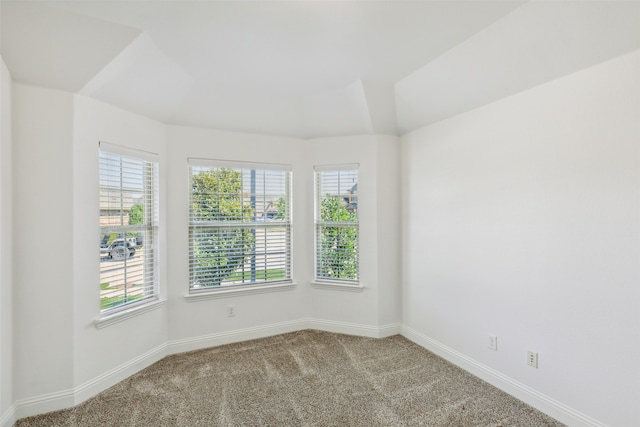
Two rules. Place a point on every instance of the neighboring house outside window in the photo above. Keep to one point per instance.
(128, 188)
(239, 224)
(336, 223)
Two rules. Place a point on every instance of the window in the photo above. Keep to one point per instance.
(239, 224)
(128, 227)
(336, 218)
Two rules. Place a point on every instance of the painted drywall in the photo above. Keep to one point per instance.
(97, 351)
(6, 250)
(43, 239)
(377, 159)
(337, 304)
(537, 42)
(197, 320)
(328, 308)
(389, 230)
(57, 309)
(521, 219)
(61, 357)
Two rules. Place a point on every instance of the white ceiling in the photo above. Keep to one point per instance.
(308, 68)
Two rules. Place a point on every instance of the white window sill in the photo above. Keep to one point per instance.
(338, 286)
(103, 322)
(237, 291)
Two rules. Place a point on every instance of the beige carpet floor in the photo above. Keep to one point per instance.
(306, 378)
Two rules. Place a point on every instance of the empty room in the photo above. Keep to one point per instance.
(320, 213)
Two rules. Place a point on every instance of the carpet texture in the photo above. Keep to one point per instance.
(306, 378)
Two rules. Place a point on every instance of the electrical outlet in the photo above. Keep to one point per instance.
(492, 342)
(231, 310)
(532, 359)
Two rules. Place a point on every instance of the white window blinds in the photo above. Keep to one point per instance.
(239, 224)
(336, 218)
(128, 186)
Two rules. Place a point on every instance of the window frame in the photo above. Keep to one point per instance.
(150, 179)
(196, 290)
(319, 170)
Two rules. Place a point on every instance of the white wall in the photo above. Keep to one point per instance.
(6, 250)
(196, 324)
(43, 241)
(97, 351)
(522, 219)
(338, 304)
(378, 201)
(61, 358)
(389, 230)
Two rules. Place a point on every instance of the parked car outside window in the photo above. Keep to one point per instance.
(118, 249)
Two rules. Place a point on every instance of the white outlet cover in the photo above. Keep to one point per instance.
(492, 342)
(231, 310)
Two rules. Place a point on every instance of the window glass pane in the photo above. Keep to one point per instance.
(128, 223)
(337, 254)
(240, 226)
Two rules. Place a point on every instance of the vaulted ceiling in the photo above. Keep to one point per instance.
(308, 68)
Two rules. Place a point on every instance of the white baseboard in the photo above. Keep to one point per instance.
(238, 335)
(67, 398)
(389, 330)
(44, 403)
(353, 328)
(543, 403)
(117, 374)
(263, 331)
(8, 419)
